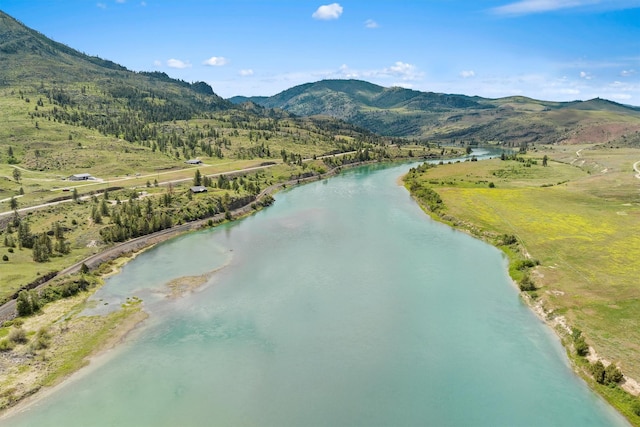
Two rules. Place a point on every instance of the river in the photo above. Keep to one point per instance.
(342, 304)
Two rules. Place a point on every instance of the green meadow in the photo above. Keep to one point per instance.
(579, 218)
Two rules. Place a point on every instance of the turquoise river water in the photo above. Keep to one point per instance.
(343, 304)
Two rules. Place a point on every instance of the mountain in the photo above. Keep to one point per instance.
(451, 118)
(65, 112)
(345, 99)
(28, 57)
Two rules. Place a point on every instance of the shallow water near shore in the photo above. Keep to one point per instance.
(343, 304)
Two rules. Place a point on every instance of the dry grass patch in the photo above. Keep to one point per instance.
(59, 342)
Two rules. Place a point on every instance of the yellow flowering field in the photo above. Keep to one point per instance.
(586, 237)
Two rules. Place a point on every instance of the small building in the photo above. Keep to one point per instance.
(198, 189)
(194, 162)
(80, 177)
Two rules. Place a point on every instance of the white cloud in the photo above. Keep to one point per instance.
(157, 63)
(143, 3)
(404, 71)
(628, 87)
(216, 61)
(121, 1)
(540, 86)
(245, 73)
(621, 96)
(585, 75)
(345, 72)
(627, 73)
(328, 12)
(401, 68)
(370, 23)
(488, 84)
(176, 63)
(467, 73)
(568, 91)
(526, 7)
(101, 5)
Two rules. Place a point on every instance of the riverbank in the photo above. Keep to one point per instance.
(171, 358)
(553, 230)
(57, 343)
(70, 342)
(109, 262)
(116, 251)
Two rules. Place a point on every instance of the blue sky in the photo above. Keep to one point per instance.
(557, 50)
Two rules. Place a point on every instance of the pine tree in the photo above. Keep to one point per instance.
(42, 248)
(104, 208)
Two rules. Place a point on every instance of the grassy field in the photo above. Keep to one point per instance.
(83, 234)
(44, 141)
(580, 217)
(56, 342)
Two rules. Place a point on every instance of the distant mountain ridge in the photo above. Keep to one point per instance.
(63, 110)
(29, 57)
(344, 99)
(396, 111)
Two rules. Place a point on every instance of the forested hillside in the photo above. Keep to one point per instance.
(119, 150)
(459, 119)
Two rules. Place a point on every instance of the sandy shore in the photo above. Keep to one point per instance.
(28, 374)
(32, 377)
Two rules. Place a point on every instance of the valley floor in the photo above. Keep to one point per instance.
(572, 232)
(57, 340)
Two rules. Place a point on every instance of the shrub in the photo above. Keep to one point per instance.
(63, 290)
(28, 302)
(635, 407)
(18, 336)
(508, 239)
(526, 284)
(612, 374)
(581, 346)
(523, 264)
(608, 376)
(597, 370)
(6, 345)
(427, 196)
(84, 269)
(5, 257)
(42, 340)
